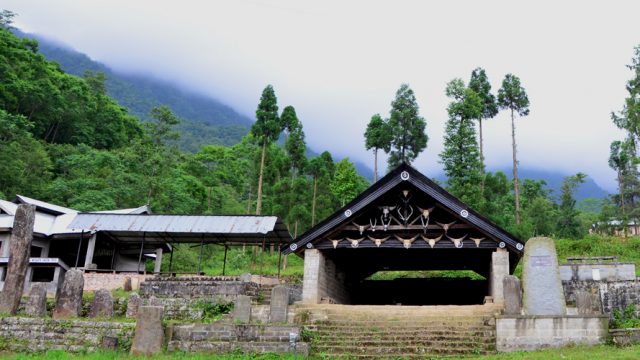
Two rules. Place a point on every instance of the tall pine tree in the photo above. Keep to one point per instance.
(408, 137)
(377, 137)
(513, 97)
(460, 155)
(480, 84)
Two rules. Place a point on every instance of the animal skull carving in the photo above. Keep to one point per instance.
(445, 227)
(457, 242)
(378, 242)
(335, 243)
(361, 228)
(424, 217)
(373, 224)
(477, 241)
(355, 242)
(432, 242)
(407, 242)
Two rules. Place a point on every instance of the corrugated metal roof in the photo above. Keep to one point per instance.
(175, 223)
(144, 209)
(44, 206)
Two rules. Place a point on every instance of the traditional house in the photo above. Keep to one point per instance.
(405, 222)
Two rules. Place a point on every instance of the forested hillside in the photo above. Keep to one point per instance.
(205, 120)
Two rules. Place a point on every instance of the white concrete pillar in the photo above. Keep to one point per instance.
(4, 251)
(313, 268)
(158, 264)
(499, 269)
(91, 246)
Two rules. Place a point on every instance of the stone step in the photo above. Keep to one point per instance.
(399, 355)
(409, 326)
(417, 343)
(403, 336)
(226, 347)
(395, 351)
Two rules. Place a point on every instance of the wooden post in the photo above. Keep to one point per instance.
(200, 256)
(79, 246)
(224, 264)
(144, 234)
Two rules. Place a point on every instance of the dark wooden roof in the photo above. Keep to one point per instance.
(404, 174)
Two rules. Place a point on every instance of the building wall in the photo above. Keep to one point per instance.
(537, 332)
(111, 281)
(323, 279)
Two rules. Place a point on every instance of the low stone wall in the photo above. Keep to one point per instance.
(111, 281)
(516, 333)
(34, 334)
(604, 271)
(614, 295)
(625, 337)
(224, 337)
(197, 287)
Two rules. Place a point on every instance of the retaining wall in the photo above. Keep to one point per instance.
(614, 295)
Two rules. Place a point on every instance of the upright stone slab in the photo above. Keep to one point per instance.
(543, 293)
(69, 297)
(279, 304)
(588, 303)
(499, 269)
(37, 303)
(19, 250)
(242, 309)
(133, 304)
(149, 335)
(127, 284)
(512, 295)
(102, 304)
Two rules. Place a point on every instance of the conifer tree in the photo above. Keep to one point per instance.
(265, 130)
(460, 155)
(377, 137)
(480, 84)
(408, 137)
(294, 144)
(513, 97)
(568, 222)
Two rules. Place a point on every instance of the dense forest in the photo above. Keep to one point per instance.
(63, 139)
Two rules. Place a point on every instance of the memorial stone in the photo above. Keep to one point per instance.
(127, 284)
(279, 304)
(19, 251)
(133, 304)
(102, 304)
(543, 293)
(149, 333)
(69, 297)
(242, 309)
(37, 303)
(512, 295)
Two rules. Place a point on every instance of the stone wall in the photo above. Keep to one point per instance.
(110, 281)
(323, 279)
(224, 337)
(35, 334)
(601, 272)
(215, 288)
(536, 332)
(614, 295)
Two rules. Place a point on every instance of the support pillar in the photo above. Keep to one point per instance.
(499, 269)
(91, 246)
(313, 269)
(158, 264)
(4, 252)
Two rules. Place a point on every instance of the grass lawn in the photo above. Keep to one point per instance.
(570, 353)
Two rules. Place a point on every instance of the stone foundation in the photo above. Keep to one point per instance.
(323, 280)
(110, 281)
(34, 334)
(517, 333)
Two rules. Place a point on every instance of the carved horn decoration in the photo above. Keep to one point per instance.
(445, 227)
(424, 217)
(373, 224)
(432, 242)
(335, 243)
(407, 242)
(361, 228)
(378, 242)
(457, 242)
(355, 242)
(477, 241)
(386, 216)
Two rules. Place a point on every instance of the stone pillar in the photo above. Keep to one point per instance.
(20, 248)
(242, 309)
(149, 336)
(499, 269)
(158, 264)
(37, 303)
(512, 295)
(542, 288)
(102, 304)
(279, 306)
(314, 263)
(91, 246)
(69, 297)
(133, 304)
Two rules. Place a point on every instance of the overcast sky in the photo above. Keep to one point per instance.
(339, 62)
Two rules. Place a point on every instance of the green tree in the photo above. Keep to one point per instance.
(346, 183)
(294, 144)
(569, 225)
(6, 19)
(628, 118)
(319, 168)
(480, 84)
(377, 137)
(408, 137)
(513, 97)
(265, 130)
(160, 128)
(459, 157)
(621, 160)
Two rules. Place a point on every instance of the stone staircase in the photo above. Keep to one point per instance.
(264, 295)
(400, 331)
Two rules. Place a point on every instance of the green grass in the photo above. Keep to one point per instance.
(571, 353)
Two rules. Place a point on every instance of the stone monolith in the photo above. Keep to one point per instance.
(69, 297)
(542, 288)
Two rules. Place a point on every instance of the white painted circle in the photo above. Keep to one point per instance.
(464, 213)
(347, 213)
(293, 247)
(404, 175)
(519, 246)
(459, 246)
(309, 245)
(502, 245)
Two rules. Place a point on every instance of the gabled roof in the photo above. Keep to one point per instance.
(43, 206)
(144, 209)
(406, 173)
